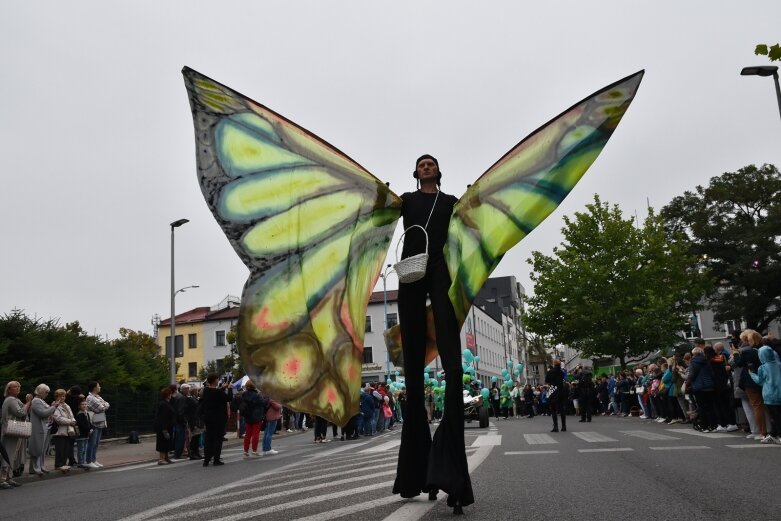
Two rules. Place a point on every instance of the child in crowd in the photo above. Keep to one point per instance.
(83, 429)
(769, 377)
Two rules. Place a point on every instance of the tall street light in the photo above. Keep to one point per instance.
(765, 70)
(172, 364)
(384, 276)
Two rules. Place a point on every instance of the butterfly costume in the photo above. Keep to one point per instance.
(313, 227)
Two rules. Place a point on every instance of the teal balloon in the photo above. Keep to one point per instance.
(388, 381)
(398, 373)
(510, 364)
(485, 393)
(494, 379)
(517, 370)
(442, 384)
(468, 356)
(505, 373)
(476, 358)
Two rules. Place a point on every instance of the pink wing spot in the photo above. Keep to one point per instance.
(344, 315)
(330, 395)
(291, 367)
(261, 321)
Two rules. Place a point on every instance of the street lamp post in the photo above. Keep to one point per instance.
(765, 70)
(172, 363)
(384, 276)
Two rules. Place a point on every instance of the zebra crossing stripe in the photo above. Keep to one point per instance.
(684, 447)
(753, 446)
(614, 449)
(539, 439)
(488, 440)
(529, 452)
(382, 447)
(593, 437)
(647, 435)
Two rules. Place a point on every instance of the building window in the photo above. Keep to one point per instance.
(192, 340)
(220, 338)
(192, 370)
(393, 319)
(368, 324)
(179, 346)
(367, 355)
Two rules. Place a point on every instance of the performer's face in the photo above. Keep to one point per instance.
(427, 169)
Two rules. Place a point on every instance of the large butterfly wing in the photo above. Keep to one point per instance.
(520, 190)
(312, 226)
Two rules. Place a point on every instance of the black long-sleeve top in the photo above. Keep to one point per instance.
(415, 209)
(213, 404)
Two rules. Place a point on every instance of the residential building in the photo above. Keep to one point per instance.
(201, 337)
(503, 299)
(377, 366)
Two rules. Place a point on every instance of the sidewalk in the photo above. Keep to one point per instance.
(116, 452)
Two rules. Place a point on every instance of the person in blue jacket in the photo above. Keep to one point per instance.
(367, 413)
(700, 383)
(769, 377)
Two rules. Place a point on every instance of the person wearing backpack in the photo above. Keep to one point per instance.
(252, 406)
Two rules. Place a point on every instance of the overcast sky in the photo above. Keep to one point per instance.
(97, 137)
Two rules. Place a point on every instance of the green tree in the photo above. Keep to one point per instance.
(612, 289)
(537, 348)
(34, 350)
(233, 361)
(773, 52)
(733, 226)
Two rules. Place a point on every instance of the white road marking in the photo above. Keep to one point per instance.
(129, 467)
(681, 447)
(298, 503)
(753, 446)
(244, 502)
(529, 452)
(360, 507)
(539, 439)
(647, 435)
(705, 434)
(382, 447)
(487, 440)
(614, 449)
(414, 510)
(593, 437)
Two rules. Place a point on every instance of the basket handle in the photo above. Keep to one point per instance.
(405, 233)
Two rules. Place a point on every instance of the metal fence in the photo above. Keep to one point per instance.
(130, 410)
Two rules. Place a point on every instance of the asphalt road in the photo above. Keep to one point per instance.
(611, 468)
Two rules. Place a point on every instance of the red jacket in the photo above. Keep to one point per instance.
(274, 410)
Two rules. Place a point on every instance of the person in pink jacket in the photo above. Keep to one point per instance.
(273, 414)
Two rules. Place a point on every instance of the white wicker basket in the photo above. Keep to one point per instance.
(412, 268)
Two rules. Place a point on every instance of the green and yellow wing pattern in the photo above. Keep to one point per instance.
(312, 226)
(520, 190)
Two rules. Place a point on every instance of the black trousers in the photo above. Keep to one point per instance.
(585, 408)
(195, 445)
(558, 405)
(425, 464)
(63, 445)
(212, 445)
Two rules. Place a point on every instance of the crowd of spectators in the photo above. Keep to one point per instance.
(72, 422)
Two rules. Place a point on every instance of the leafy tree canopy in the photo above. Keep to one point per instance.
(734, 228)
(34, 350)
(773, 52)
(612, 289)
